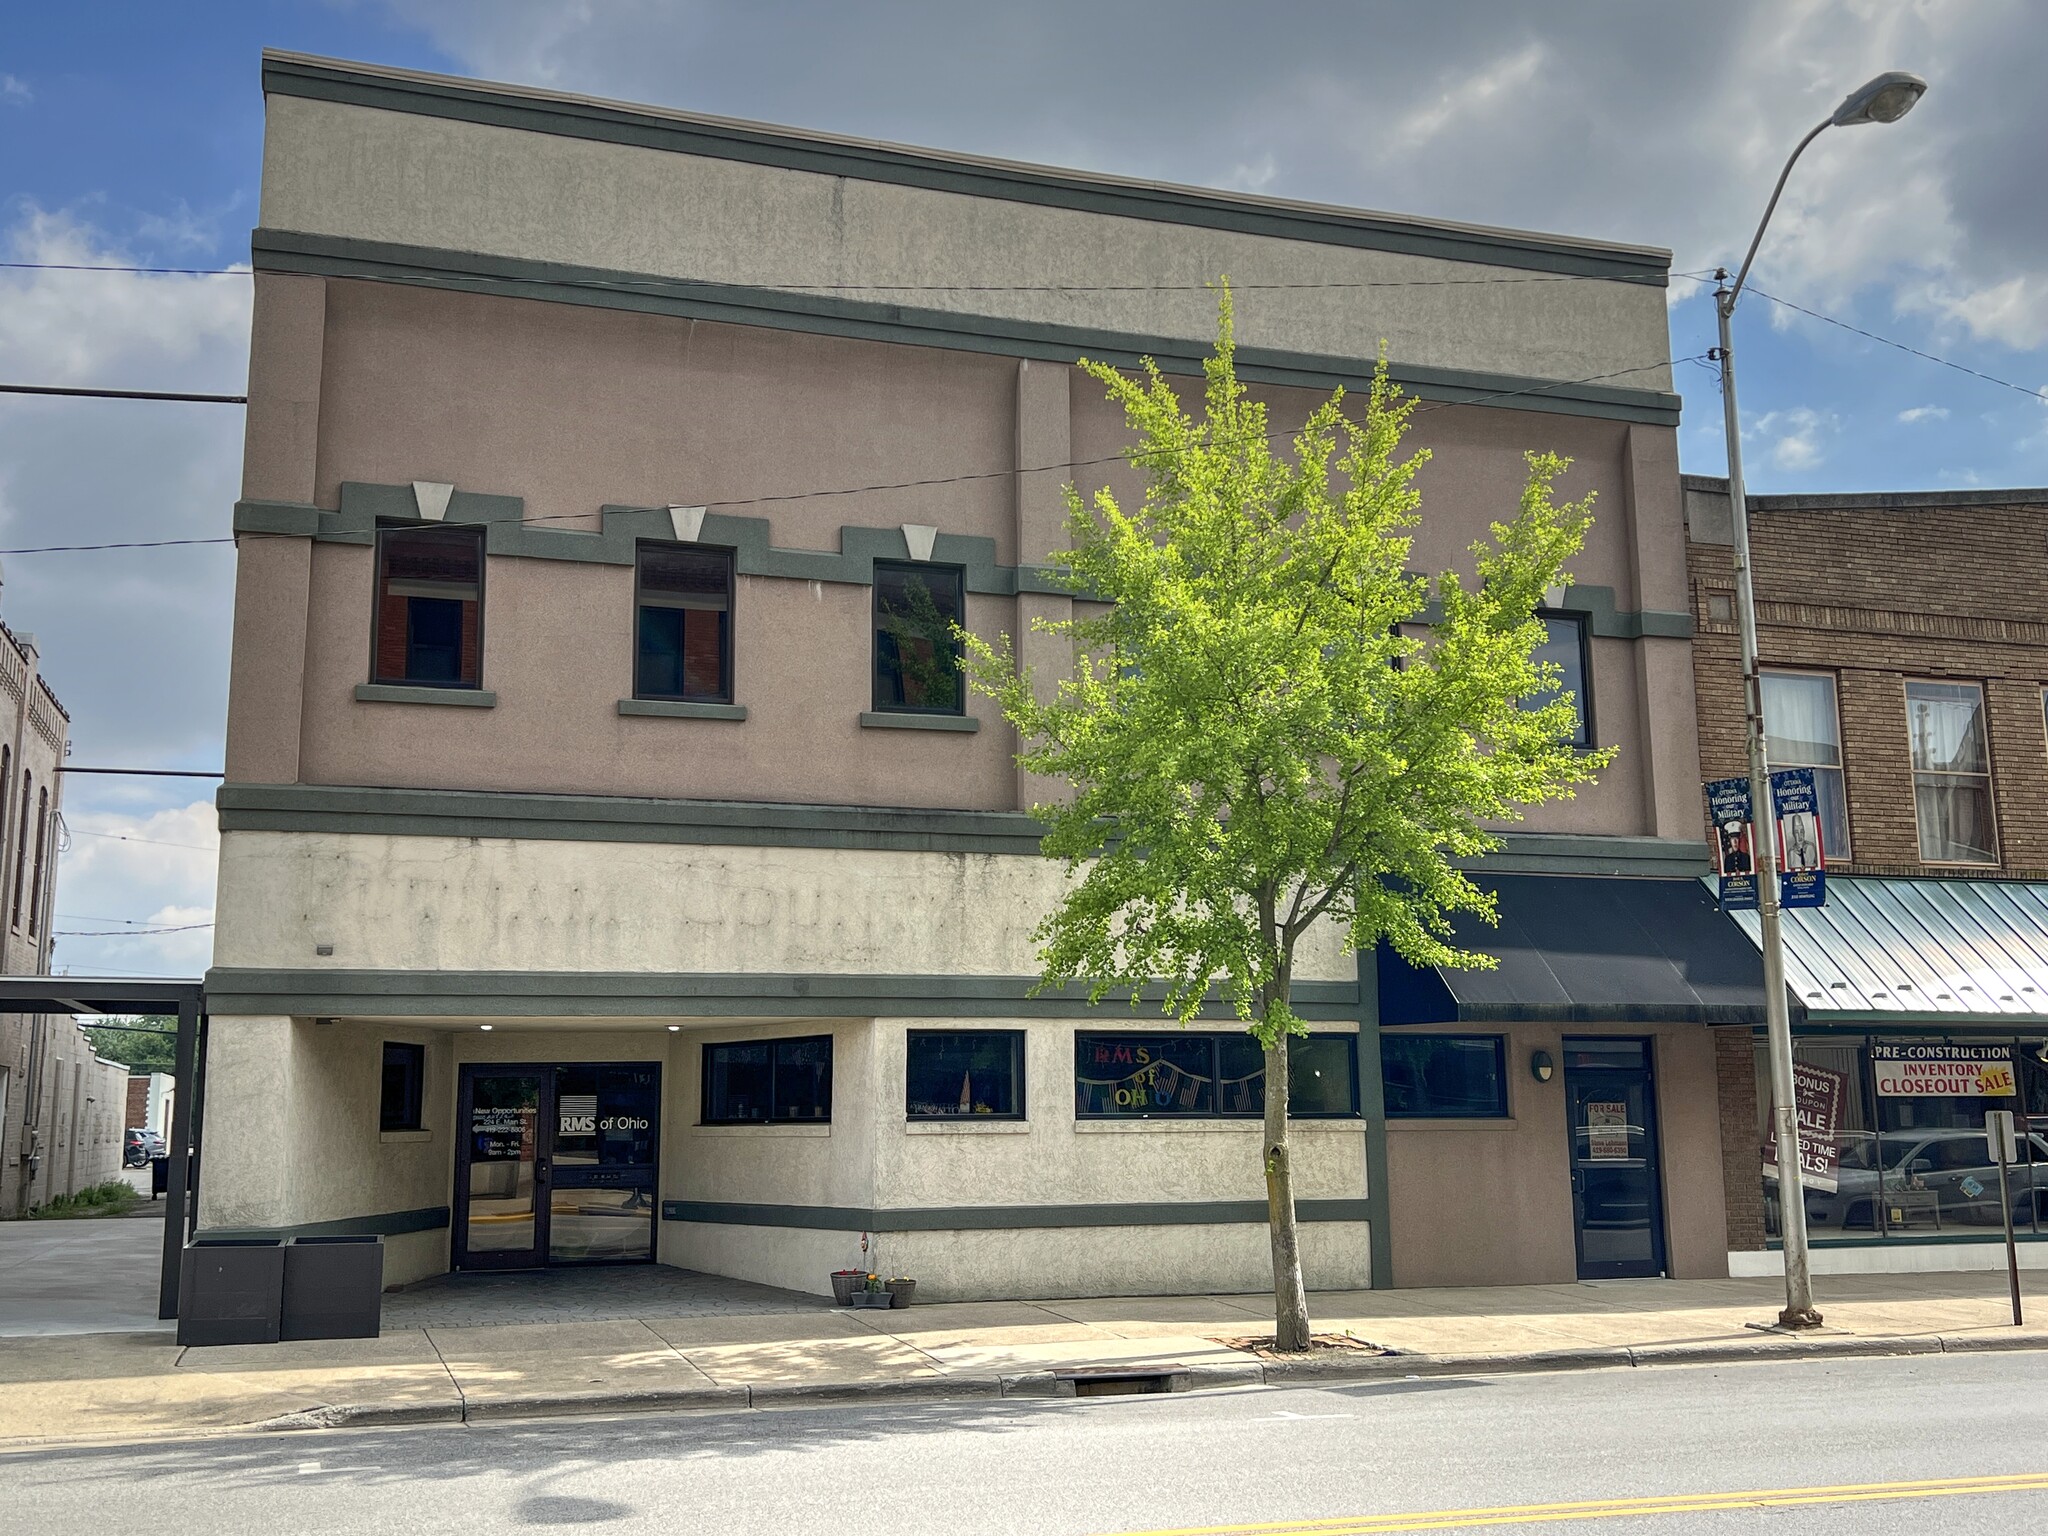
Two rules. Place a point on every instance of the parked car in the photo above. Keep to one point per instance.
(139, 1146)
(1927, 1179)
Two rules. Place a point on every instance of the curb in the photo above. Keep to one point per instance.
(1204, 1377)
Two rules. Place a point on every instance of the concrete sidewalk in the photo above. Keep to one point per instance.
(138, 1385)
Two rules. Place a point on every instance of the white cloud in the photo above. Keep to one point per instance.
(15, 92)
(1919, 413)
(1793, 437)
(148, 870)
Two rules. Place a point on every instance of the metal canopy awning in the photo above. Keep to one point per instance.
(1577, 949)
(1904, 951)
(150, 995)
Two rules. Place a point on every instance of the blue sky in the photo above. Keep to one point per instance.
(131, 132)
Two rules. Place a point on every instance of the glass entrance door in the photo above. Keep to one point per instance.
(603, 1204)
(1617, 1190)
(557, 1164)
(502, 1169)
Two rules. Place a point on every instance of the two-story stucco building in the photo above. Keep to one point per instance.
(612, 867)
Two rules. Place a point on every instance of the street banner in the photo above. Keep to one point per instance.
(1942, 1071)
(1802, 861)
(1728, 808)
(1819, 1093)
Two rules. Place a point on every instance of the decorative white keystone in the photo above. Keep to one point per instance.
(920, 539)
(688, 522)
(1553, 597)
(432, 499)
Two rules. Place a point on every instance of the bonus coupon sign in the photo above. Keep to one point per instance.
(1942, 1071)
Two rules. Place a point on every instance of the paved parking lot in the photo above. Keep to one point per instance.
(95, 1275)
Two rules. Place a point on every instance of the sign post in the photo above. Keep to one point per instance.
(2001, 1133)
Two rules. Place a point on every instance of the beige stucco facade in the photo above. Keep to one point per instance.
(572, 324)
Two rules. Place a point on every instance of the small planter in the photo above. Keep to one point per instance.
(900, 1292)
(845, 1284)
(876, 1299)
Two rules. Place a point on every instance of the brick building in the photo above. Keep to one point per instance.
(1904, 644)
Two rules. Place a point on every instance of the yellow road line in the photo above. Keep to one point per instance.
(1610, 1509)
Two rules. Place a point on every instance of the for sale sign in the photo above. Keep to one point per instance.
(1942, 1071)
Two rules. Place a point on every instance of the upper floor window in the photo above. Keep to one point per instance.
(1951, 773)
(430, 607)
(684, 624)
(1802, 729)
(35, 890)
(21, 848)
(917, 660)
(1564, 645)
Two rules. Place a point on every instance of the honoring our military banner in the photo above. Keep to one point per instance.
(1729, 810)
(1802, 859)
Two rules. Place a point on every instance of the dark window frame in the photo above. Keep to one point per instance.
(727, 650)
(1582, 696)
(1214, 1039)
(411, 1109)
(1015, 1037)
(1499, 1043)
(919, 568)
(378, 579)
(704, 1114)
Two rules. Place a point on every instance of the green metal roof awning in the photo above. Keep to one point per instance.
(1904, 951)
(1580, 949)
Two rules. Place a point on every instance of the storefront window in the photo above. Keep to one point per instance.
(1431, 1077)
(956, 1074)
(768, 1080)
(1195, 1076)
(1893, 1135)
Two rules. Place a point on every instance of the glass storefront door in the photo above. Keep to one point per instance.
(557, 1164)
(501, 1167)
(1617, 1189)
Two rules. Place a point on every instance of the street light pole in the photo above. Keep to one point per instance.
(1885, 99)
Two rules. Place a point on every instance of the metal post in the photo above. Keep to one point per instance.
(1799, 1309)
(2012, 1251)
(180, 1151)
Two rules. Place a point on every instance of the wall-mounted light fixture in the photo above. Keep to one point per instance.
(1541, 1067)
(486, 1028)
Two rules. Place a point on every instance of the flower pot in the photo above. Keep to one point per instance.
(900, 1292)
(844, 1282)
(873, 1299)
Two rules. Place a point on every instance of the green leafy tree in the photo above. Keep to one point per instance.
(1269, 728)
(145, 1044)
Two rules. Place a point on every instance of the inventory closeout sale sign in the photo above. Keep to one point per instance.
(1942, 1071)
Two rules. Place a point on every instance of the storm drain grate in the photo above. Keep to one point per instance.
(1116, 1383)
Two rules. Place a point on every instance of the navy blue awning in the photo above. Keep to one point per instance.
(1587, 949)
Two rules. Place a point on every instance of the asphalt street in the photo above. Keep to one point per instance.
(1677, 1450)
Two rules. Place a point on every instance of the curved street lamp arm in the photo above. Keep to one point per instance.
(1728, 303)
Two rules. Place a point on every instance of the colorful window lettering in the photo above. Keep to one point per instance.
(1209, 1076)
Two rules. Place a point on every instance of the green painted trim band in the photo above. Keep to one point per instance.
(392, 693)
(388, 1224)
(291, 252)
(365, 811)
(682, 709)
(1003, 1218)
(531, 111)
(653, 994)
(888, 720)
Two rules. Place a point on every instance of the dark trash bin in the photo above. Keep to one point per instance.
(230, 1290)
(159, 1176)
(333, 1287)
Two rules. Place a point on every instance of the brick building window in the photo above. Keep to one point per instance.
(21, 847)
(1951, 773)
(684, 623)
(1803, 729)
(917, 661)
(1564, 644)
(430, 607)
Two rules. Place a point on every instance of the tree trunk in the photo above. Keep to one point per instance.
(1290, 1298)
